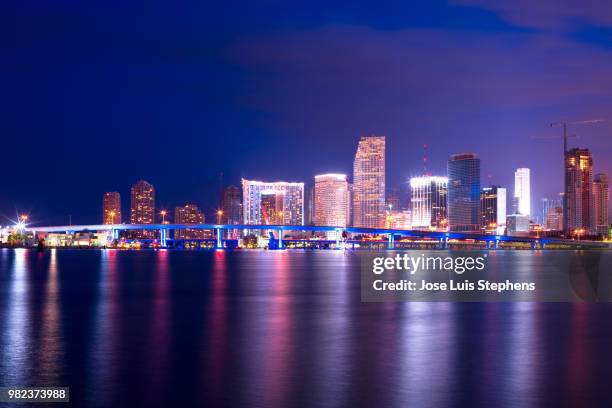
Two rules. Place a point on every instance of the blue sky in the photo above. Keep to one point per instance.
(97, 95)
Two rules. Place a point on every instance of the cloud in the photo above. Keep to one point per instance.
(547, 14)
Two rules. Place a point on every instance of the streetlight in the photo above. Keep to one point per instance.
(219, 215)
(23, 218)
(163, 214)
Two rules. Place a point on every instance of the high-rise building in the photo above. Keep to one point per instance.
(522, 190)
(579, 191)
(549, 204)
(111, 208)
(428, 198)
(493, 209)
(142, 209)
(189, 214)
(331, 200)
(285, 199)
(231, 205)
(369, 183)
(601, 199)
(310, 214)
(517, 224)
(554, 219)
(393, 200)
(464, 192)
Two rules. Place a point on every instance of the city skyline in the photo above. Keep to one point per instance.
(179, 103)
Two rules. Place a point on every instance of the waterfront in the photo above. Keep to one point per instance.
(280, 328)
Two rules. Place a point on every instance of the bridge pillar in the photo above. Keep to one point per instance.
(280, 239)
(534, 245)
(219, 240)
(391, 241)
(496, 243)
(163, 237)
(115, 233)
(338, 234)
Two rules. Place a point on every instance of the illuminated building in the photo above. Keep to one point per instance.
(393, 200)
(189, 214)
(554, 219)
(428, 197)
(517, 224)
(142, 209)
(464, 192)
(310, 215)
(579, 194)
(111, 208)
(261, 198)
(549, 204)
(522, 191)
(369, 183)
(601, 198)
(493, 209)
(231, 205)
(399, 219)
(331, 200)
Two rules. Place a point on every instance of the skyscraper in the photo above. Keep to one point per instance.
(549, 204)
(428, 198)
(522, 190)
(189, 214)
(231, 205)
(258, 197)
(331, 200)
(601, 199)
(464, 192)
(579, 191)
(369, 183)
(111, 208)
(493, 209)
(142, 209)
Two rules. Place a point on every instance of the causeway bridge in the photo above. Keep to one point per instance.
(442, 237)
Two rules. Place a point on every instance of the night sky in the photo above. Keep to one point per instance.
(97, 95)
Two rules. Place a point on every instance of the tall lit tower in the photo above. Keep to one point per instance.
(428, 197)
(464, 192)
(579, 190)
(111, 208)
(331, 200)
(601, 198)
(369, 183)
(142, 210)
(522, 190)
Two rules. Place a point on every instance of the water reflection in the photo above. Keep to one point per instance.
(160, 330)
(16, 340)
(106, 334)
(51, 350)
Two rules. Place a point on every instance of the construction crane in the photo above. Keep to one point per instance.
(576, 122)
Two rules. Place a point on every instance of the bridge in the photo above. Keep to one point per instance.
(442, 237)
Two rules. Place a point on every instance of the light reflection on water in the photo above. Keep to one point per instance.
(282, 328)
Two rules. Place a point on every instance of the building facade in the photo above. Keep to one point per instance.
(428, 200)
(231, 205)
(522, 191)
(493, 210)
(261, 198)
(369, 183)
(464, 192)
(189, 214)
(554, 219)
(578, 191)
(549, 204)
(142, 207)
(111, 208)
(331, 200)
(601, 199)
